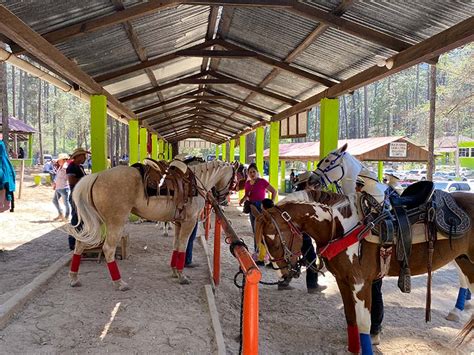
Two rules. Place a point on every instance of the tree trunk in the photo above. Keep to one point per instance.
(40, 133)
(20, 96)
(358, 115)
(111, 142)
(389, 118)
(4, 101)
(55, 129)
(366, 112)
(417, 84)
(26, 84)
(346, 123)
(353, 123)
(117, 142)
(431, 125)
(13, 92)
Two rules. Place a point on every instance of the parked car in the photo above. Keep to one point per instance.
(451, 186)
(416, 175)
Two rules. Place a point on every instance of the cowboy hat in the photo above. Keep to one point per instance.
(63, 156)
(360, 181)
(79, 151)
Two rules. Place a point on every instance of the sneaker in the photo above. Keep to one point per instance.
(284, 287)
(191, 265)
(317, 289)
(375, 339)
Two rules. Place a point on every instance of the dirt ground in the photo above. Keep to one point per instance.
(160, 316)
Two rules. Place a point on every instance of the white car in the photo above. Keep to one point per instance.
(451, 186)
(416, 175)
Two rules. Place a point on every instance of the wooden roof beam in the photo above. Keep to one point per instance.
(243, 103)
(208, 115)
(168, 85)
(227, 117)
(252, 87)
(281, 65)
(16, 30)
(161, 119)
(453, 37)
(171, 109)
(350, 27)
(189, 95)
(236, 110)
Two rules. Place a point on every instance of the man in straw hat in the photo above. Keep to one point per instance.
(75, 171)
(61, 187)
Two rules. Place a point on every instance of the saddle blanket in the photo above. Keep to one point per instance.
(417, 231)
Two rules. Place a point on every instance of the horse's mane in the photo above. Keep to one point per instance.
(326, 197)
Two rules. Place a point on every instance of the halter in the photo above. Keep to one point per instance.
(218, 194)
(332, 165)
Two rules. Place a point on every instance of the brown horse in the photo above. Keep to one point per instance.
(105, 200)
(357, 265)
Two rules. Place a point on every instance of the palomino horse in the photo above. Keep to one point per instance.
(354, 265)
(106, 199)
(341, 168)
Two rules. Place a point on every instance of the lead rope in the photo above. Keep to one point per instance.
(242, 287)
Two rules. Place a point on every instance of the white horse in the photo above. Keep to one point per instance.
(342, 169)
(105, 200)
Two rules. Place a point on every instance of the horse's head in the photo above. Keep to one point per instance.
(338, 165)
(240, 176)
(225, 180)
(283, 246)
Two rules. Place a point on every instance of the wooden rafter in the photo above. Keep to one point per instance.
(189, 95)
(242, 113)
(243, 103)
(209, 114)
(16, 30)
(157, 119)
(447, 40)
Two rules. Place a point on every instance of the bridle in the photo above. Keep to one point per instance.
(332, 165)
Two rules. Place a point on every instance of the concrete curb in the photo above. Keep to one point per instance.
(216, 324)
(15, 303)
(208, 258)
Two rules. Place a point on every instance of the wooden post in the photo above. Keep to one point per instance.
(161, 149)
(217, 151)
(22, 175)
(259, 139)
(232, 150)
(216, 274)
(98, 133)
(309, 166)
(242, 155)
(380, 170)
(282, 175)
(143, 143)
(274, 153)
(166, 151)
(133, 142)
(224, 151)
(154, 146)
(30, 148)
(329, 128)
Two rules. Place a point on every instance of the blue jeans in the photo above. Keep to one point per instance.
(189, 248)
(64, 194)
(257, 204)
(307, 249)
(376, 311)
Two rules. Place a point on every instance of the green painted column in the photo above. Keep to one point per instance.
(166, 151)
(143, 143)
(282, 175)
(259, 139)
(99, 132)
(274, 153)
(154, 146)
(133, 141)
(329, 132)
(380, 170)
(309, 166)
(315, 165)
(224, 151)
(30, 148)
(242, 155)
(232, 150)
(217, 151)
(161, 149)
(170, 152)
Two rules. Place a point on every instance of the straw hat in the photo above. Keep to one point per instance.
(63, 156)
(79, 151)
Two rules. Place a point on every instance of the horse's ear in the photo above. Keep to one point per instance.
(343, 148)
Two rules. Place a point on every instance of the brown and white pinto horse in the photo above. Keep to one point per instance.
(358, 264)
(105, 200)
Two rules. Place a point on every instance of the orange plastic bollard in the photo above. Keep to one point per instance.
(217, 252)
(250, 326)
(207, 223)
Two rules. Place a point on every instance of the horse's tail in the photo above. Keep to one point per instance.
(88, 229)
(465, 332)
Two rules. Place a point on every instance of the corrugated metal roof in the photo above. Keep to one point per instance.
(17, 126)
(272, 32)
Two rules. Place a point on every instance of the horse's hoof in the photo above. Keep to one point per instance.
(375, 339)
(121, 285)
(75, 283)
(183, 280)
(454, 315)
(468, 305)
(174, 273)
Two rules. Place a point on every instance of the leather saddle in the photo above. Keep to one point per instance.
(175, 180)
(419, 203)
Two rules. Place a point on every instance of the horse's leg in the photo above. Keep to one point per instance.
(181, 242)
(175, 255)
(351, 318)
(363, 301)
(466, 279)
(114, 233)
(76, 261)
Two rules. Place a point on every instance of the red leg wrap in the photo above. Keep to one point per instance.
(76, 260)
(174, 258)
(181, 260)
(353, 338)
(114, 271)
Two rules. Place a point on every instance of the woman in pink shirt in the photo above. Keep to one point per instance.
(255, 189)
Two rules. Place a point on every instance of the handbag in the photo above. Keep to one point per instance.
(246, 208)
